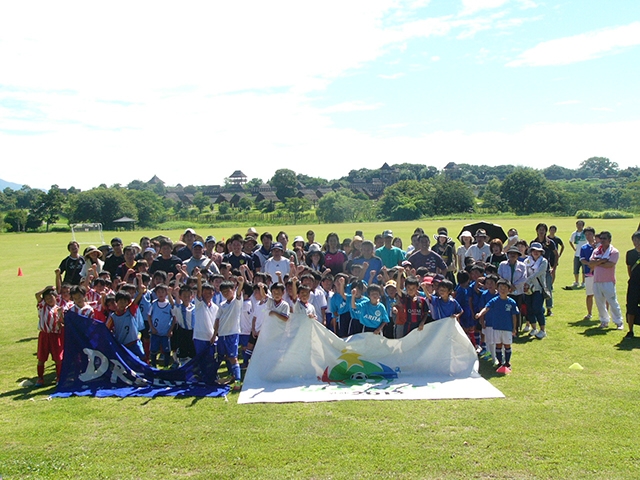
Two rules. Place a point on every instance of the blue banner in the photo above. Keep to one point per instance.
(96, 364)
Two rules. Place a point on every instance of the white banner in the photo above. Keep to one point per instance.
(301, 361)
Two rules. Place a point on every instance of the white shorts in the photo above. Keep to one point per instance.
(488, 335)
(503, 337)
(588, 285)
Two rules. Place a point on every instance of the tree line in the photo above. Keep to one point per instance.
(412, 191)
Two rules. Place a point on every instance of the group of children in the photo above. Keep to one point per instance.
(219, 314)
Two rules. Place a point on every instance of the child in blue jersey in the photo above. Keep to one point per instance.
(227, 326)
(161, 322)
(461, 294)
(502, 313)
(371, 313)
(125, 323)
(340, 308)
(489, 291)
(443, 305)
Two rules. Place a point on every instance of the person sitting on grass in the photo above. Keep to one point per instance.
(502, 313)
(50, 336)
(161, 323)
(227, 327)
(371, 313)
(125, 322)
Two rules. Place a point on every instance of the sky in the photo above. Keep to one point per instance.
(94, 92)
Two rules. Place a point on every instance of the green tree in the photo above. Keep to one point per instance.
(284, 181)
(253, 183)
(296, 206)
(599, 167)
(336, 207)
(46, 208)
(224, 208)
(452, 197)
(150, 207)
(407, 200)
(201, 201)
(491, 199)
(523, 190)
(16, 219)
(103, 205)
(245, 204)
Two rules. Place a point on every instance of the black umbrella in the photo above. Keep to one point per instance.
(493, 230)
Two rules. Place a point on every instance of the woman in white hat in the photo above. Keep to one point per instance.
(536, 284)
(92, 257)
(466, 239)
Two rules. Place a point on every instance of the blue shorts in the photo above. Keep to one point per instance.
(204, 346)
(159, 343)
(228, 346)
(245, 339)
(136, 349)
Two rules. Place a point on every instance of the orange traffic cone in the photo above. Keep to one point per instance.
(19, 272)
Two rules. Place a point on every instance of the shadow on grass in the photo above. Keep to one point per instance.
(584, 323)
(32, 392)
(596, 331)
(24, 340)
(628, 344)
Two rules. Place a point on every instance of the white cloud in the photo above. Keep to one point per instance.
(470, 7)
(435, 58)
(351, 107)
(579, 48)
(602, 109)
(392, 76)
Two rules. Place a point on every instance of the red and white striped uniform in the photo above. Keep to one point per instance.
(48, 318)
(86, 311)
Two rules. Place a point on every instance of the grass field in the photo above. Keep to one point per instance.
(553, 423)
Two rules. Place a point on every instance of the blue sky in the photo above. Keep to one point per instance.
(90, 94)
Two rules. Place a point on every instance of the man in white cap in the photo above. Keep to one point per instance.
(480, 251)
(188, 237)
(391, 256)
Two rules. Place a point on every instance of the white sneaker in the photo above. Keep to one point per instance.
(620, 326)
(541, 334)
(575, 285)
(533, 332)
(527, 328)
(582, 285)
(587, 316)
(604, 325)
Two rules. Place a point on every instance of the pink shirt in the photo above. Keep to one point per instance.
(604, 274)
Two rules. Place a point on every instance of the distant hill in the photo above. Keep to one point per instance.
(13, 186)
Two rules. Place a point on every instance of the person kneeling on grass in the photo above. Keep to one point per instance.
(227, 327)
(371, 313)
(502, 313)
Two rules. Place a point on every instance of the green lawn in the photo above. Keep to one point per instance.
(553, 423)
